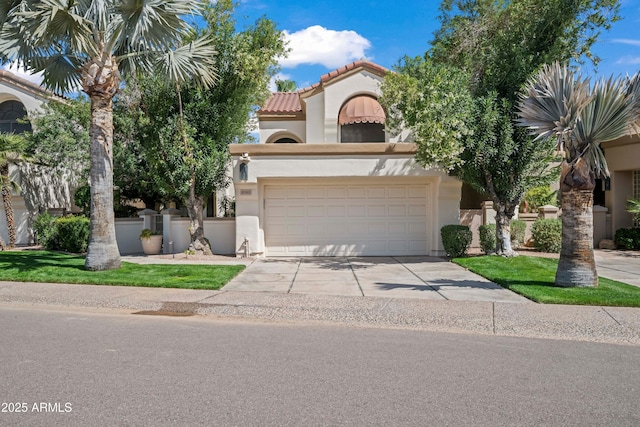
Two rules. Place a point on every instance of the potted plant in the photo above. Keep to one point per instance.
(151, 242)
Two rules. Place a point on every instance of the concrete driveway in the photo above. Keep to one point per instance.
(395, 277)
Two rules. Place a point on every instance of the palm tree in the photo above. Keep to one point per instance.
(90, 43)
(581, 117)
(285, 86)
(11, 147)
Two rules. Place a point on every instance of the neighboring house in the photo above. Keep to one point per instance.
(328, 179)
(623, 159)
(18, 98)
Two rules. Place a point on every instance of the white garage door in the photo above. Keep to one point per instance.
(338, 220)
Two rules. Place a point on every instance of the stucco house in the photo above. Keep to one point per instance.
(623, 159)
(327, 179)
(19, 98)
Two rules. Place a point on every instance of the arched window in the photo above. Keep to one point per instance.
(10, 112)
(362, 119)
(285, 141)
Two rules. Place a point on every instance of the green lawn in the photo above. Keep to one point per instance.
(53, 267)
(533, 277)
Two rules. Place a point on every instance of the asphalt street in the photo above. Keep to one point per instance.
(67, 368)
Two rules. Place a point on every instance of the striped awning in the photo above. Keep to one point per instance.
(361, 109)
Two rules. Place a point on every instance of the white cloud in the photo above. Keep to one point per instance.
(632, 42)
(629, 60)
(319, 45)
(21, 72)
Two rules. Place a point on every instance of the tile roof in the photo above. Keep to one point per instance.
(289, 102)
(282, 102)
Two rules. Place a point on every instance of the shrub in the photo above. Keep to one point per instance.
(536, 197)
(45, 230)
(518, 228)
(547, 235)
(487, 238)
(456, 239)
(73, 233)
(627, 238)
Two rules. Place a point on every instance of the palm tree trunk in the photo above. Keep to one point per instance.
(102, 253)
(577, 265)
(8, 207)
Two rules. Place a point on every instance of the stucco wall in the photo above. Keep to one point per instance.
(323, 108)
(21, 219)
(128, 235)
(623, 157)
(315, 119)
(220, 232)
(29, 100)
(270, 130)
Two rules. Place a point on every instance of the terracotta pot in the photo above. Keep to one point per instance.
(151, 245)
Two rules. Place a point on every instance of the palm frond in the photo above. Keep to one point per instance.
(552, 100)
(607, 116)
(193, 61)
(6, 7)
(633, 93)
(150, 25)
(54, 20)
(59, 70)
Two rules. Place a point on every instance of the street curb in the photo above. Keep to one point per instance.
(617, 325)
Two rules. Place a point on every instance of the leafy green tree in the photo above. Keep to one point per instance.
(579, 117)
(497, 46)
(500, 44)
(133, 176)
(11, 152)
(91, 43)
(189, 129)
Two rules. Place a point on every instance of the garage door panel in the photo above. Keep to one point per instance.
(317, 193)
(357, 192)
(417, 228)
(397, 228)
(297, 193)
(316, 211)
(336, 192)
(417, 210)
(377, 210)
(346, 220)
(415, 193)
(336, 211)
(376, 192)
(398, 246)
(358, 228)
(317, 229)
(397, 210)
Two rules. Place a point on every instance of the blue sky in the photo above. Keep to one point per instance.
(326, 34)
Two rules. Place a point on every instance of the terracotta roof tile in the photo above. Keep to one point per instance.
(289, 102)
(361, 63)
(282, 102)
